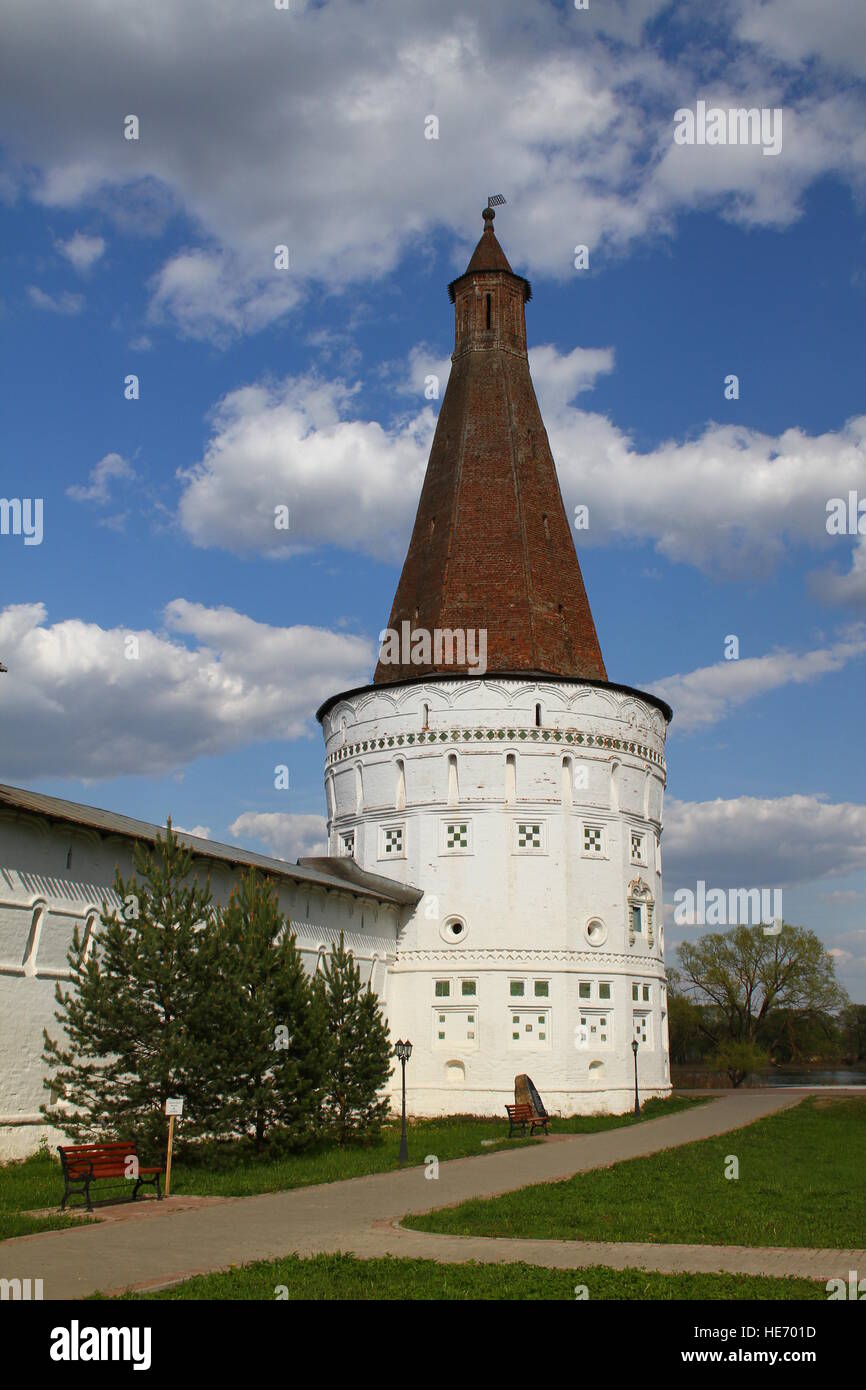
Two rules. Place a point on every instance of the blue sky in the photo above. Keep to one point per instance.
(258, 386)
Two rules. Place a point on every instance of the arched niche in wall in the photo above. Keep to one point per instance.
(567, 780)
(510, 778)
(615, 771)
(359, 789)
(400, 788)
(453, 781)
(31, 949)
(87, 935)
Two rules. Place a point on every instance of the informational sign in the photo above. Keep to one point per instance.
(174, 1105)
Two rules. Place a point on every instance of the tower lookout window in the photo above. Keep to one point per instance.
(538, 716)
(488, 311)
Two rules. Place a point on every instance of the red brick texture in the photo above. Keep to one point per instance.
(492, 546)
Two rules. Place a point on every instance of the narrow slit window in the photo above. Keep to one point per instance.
(488, 311)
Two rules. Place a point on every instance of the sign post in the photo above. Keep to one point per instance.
(173, 1107)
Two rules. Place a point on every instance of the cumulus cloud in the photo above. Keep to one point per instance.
(712, 692)
(729, 502)
(847, 589)
(201, 832)
(282, 834)
(100, 478)
(84, 701)
(346, 481)
(574, 122)
(762, 842)
(82, 251)
(63, 303)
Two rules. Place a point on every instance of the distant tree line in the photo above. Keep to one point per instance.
(177, 996)
(741, 1000)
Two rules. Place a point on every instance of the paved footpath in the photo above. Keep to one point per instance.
(360, 1215)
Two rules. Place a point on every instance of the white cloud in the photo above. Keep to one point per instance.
(711, 693)
(729, 502)
(308, 130)
(201, 832)
(63, 303)
(347, 482)
(761, 842)
(82, 251)
(798, 30)
(846, 589)
(101, 476)
(283, 835)
(215, 295)
(74, 705)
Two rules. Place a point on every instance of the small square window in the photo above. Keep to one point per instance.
(349, 843)
(604, 989)
(528, 1027)
(637, 848)
(470, 1018)
(443, 989)
(517, 987)
(541, 1018)
(541, 1037)
(392, 840)
(467, 987)
(441, 1037)
(457, 835)
(584, 990)
(592, 839)
(516, 1037)
(528, 835)
(542, 989)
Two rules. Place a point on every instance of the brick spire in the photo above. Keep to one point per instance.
(492, 546)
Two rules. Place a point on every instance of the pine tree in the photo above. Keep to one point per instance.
(269, 1051)
(135, 1007)
(359, 1052)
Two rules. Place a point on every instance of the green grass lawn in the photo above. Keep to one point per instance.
(231, 1171)
(345, 1277)
(802, 1182)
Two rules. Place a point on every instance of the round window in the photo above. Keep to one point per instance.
(596, 932)
(453, 929)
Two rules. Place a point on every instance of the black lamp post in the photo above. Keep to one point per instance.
(636, 1101)
(403, 1050)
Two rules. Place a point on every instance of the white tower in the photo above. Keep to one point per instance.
(522, 793)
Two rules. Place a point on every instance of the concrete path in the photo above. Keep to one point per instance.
(360, 1216)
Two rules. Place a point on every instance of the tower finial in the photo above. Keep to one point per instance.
(494, 201)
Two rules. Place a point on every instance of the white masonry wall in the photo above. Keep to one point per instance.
(513, 804)
(41, 902)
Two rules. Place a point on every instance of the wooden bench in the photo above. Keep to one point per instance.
(86, 1163)
(523, 1115)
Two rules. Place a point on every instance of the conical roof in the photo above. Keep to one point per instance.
(492, 548)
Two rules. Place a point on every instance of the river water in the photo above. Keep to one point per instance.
(839, 1076)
